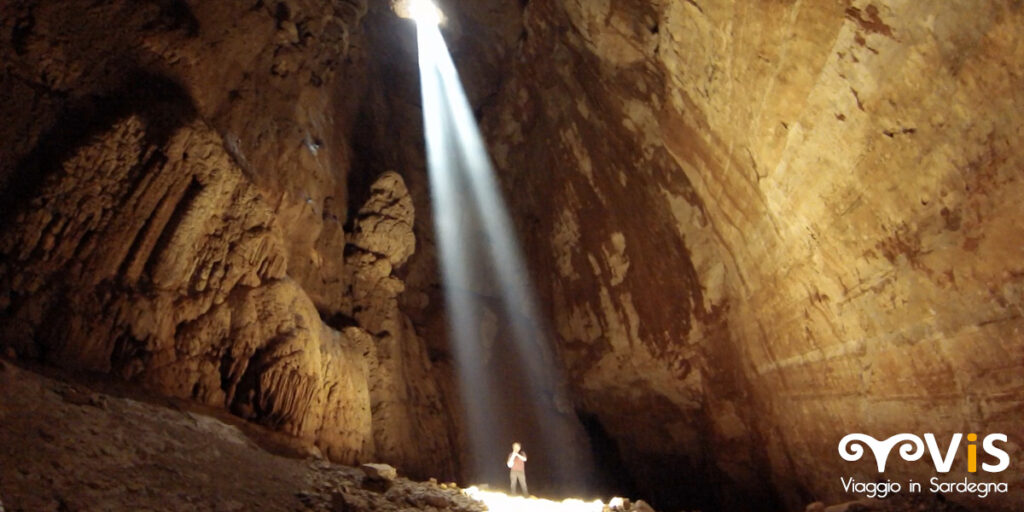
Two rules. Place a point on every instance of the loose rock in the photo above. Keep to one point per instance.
(379, 472)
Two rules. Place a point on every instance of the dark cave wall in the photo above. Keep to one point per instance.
(761, 226)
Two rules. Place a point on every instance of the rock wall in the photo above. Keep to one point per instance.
(761, 226)
(176, 196)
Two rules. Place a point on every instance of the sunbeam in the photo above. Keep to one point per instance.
(480, 256)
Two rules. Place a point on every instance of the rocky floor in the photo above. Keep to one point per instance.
(64, 447)
(92, 445)
(68, 446)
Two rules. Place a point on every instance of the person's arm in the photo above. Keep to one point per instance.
(511, 457)
(521, 455)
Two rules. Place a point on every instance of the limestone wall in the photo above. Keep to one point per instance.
(175, 178)
(765, 225)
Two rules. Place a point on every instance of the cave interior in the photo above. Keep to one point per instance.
(749, 230)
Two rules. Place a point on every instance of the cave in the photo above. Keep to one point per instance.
(341, 254)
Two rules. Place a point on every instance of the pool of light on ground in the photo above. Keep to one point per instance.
(501, 502)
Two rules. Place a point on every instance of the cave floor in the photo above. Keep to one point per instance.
(68, 447)
(85, 444)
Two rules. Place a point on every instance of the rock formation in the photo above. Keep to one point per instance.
(176, 199)
(409, 416)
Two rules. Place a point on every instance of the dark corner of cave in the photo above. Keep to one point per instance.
(511, 255)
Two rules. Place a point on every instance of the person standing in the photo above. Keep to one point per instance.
(517, 468)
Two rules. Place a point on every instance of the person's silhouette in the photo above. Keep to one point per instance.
(517, 468)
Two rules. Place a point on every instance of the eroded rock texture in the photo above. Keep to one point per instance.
(175, 186)
(763, 225)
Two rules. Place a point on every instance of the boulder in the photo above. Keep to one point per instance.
(383, 472)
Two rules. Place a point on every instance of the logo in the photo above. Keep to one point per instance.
(911, 448)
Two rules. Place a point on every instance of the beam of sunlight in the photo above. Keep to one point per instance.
(469, 210)
(445, 182)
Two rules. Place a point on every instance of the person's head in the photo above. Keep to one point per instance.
(516, 446)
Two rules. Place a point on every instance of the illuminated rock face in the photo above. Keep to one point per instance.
(175, 180)
(761, 226)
